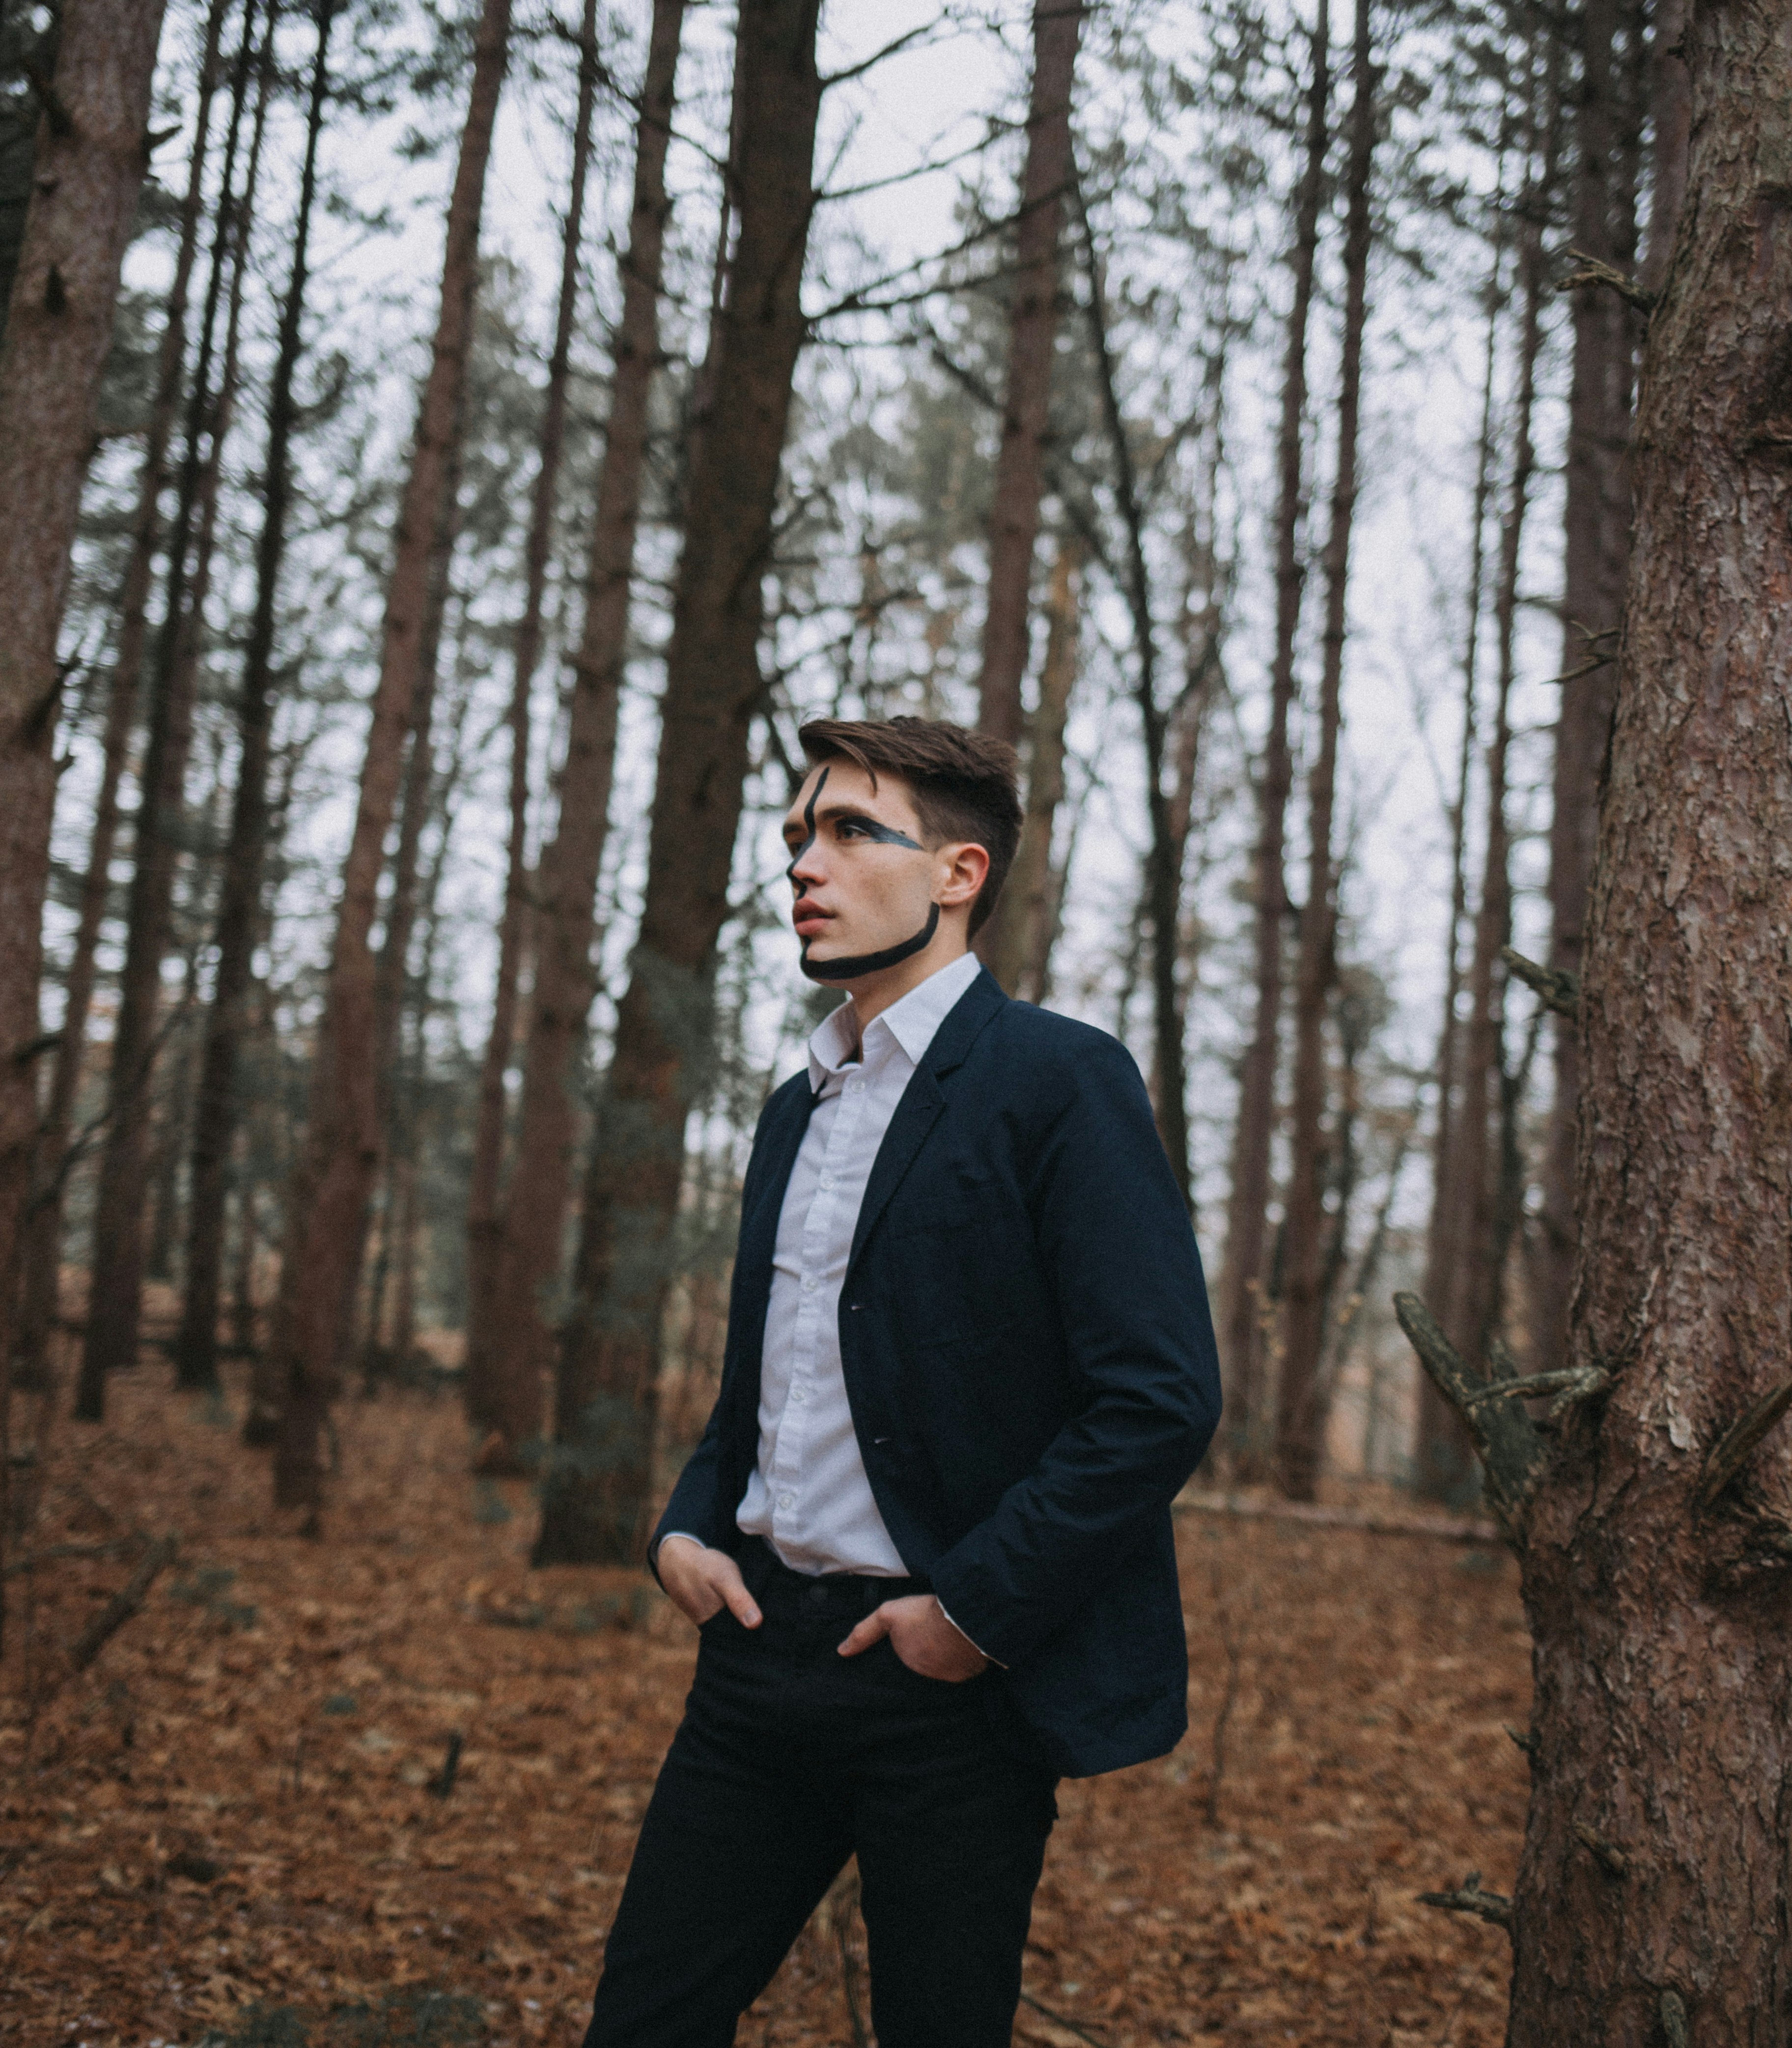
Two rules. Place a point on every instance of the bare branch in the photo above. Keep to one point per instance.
(123, 1603)
(1058, 2019)
(1612, 1858)
(1559, 989)
(877, 56)
(1593, 272)
(1732, 1451)
(1512, 1449)
(1571, 1384)
(1527, 1743)
(1468, 1898)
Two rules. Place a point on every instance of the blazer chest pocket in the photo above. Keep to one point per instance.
(953, 1203)
(951, 1212)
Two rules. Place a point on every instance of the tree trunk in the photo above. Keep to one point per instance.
(598, 1488)
(89, 170)
(484, 1228)
(242, 1275)
(1016, 955)
(1441, 1443)
(1597, 517)
(1241, 1302)
(1465, 1306)
(115, 1293)
(216, 1108)
(1163, 895)
(1014, 511)
(43, 1258)
(1300, 1409)
(509, 1359)
(1655, 1885)
(327, 1200)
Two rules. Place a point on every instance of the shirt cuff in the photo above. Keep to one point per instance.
(981, 1651)
(679, 1536)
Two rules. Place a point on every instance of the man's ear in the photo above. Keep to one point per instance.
(965, 867)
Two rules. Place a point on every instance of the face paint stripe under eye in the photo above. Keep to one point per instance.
(887, 835)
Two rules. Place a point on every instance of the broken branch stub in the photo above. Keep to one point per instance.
(1511, 1448)
(123, 1603)
(1608, 277)
(1609, 1857)
(1559, 989)
(1570, 1384)
(1733, 1449)
(1468, 1898)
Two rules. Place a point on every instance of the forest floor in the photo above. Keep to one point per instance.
(230, 1828)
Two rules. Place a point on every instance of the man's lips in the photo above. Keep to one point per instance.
(808, 918)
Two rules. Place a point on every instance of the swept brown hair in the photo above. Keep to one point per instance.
(966, 785)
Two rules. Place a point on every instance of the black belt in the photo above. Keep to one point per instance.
(778, 1589)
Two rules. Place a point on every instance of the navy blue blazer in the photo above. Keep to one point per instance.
(1030, 1361)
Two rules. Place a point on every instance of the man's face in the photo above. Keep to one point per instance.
(865, 884)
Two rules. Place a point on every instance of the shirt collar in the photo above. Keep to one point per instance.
(911, 1022)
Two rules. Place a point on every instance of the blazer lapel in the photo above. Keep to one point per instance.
(923, 1100)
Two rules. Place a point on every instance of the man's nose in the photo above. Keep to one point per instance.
(807, 867)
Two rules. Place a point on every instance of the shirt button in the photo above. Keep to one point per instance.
(808, 1284)
(798, 1397)
(827, 1180)
(855, 1088)
(787, 1500)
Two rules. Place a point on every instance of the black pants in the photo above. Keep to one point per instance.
(790, 1759)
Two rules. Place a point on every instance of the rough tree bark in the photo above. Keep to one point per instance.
(1248, 1204)
(1300, 1409)
(510, 1360)
(216, 1109)
(597, 1487)
(1016, 955)
(1597, 517)
(327, 1198)
(1655, 1526)
(90, 165)
(1014, 512)
(42, 1260)
(115, 1290)
(485, 1227)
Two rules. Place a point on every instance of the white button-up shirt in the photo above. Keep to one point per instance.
(809, 1496)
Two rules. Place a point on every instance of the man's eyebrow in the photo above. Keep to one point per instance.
(831, 813)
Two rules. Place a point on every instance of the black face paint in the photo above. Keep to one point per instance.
(887, 835)
(809, 826)
(857, 963)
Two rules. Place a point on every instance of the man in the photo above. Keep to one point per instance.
(926, 1535)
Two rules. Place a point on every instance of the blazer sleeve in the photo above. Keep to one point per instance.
(1119, 1257)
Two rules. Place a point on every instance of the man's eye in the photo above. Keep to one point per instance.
(851, 828)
